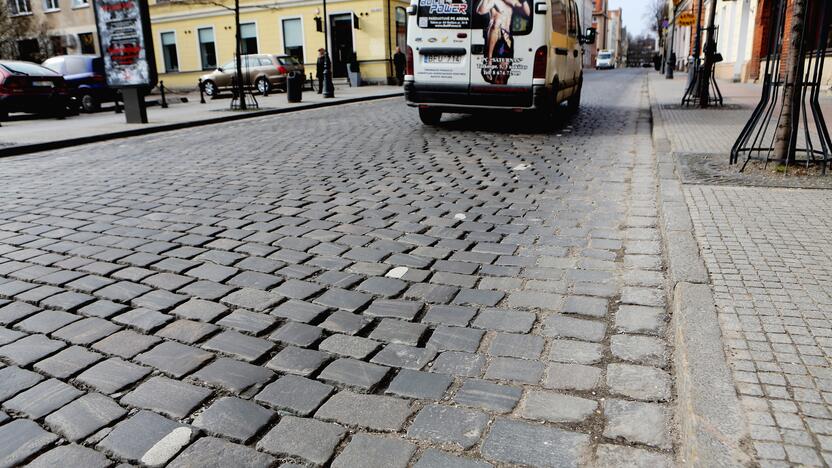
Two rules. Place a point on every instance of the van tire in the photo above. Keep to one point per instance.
(574, 101)
(429, 116)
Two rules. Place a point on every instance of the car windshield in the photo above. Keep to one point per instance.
(25, 68)
(604, 56)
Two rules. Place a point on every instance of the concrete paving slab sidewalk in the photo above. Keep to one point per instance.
(26, 135)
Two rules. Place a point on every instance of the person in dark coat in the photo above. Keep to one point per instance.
(399, 62)
(323, 62)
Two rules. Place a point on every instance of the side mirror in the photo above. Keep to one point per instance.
(411, 9)
(541, 8)
(589, 37)
(219, 69)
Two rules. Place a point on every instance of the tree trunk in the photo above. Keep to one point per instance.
(783, 150)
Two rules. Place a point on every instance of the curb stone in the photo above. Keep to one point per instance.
(711, 424)
(18, 150)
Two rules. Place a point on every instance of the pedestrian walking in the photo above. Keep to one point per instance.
(399, 61)
(323, 62)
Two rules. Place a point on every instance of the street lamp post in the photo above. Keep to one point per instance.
(239, 64)
(329, 89)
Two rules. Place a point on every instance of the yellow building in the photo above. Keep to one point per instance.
(192, 36)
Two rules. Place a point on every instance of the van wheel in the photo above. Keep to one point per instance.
(574, 101)
(430, 116)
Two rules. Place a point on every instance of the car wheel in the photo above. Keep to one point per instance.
(209, 88)
(263, 86)
(89, 103)
(430, 116)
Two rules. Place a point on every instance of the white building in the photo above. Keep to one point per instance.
(735, 19)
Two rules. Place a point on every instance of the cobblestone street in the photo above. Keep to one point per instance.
(347, 287)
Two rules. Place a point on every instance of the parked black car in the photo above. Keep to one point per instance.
(84, 74)
(31, 88)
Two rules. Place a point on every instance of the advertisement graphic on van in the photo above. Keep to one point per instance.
(499, 21)
(444, 14)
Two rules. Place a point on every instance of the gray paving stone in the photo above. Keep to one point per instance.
(637, 422)
(30, 349)
(431, 293)
(385, 287)
(535, 445)
(143, 320)
(630, 457)
(298, 311)
(433, 458)
(16, 311)
(200, 310)
(459, 364)
(298, 361)
(126, 344)
(556, 407)
(21, 439)
(515, 345)
(7, 336)
(252, 299)
(571, 377)
(343, 299)
(354, 374)
(398, 331)
(380, 413)
(46, 321)
(297, 334)
(449, 315)
(374, 452)
(405, 310)
(102, 309)
(506, 320)
(349, 346)
(295, 394)
(232, 375)
(478, 297)
(308, 439)
(112, 375)
(86, 331)
(68, 362)
(639, 349)
(14, 380)
(187, 331)
(123, 291)
(582, 305)
(448, 425)
(68, 301)
(569, 327)
(640, 319)
(84, 416)
(76, 454)
(296, 289)
(174, 358)
(408, 357)
(169, 397)
(42, 399)
(211, 452)
(446, 338)
(575, 352)
(234, 418)
(137, 438)
(420, 385)
(517, 370)
(639, 382)
(345, 322)
(247, 322)
(247, 348)
(488, 396)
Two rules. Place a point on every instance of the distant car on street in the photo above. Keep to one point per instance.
(265, 71)
(84, 75)
(30, 88)
(605, 60)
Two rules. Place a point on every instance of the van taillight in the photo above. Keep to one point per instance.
(540, 62)
(409, 67)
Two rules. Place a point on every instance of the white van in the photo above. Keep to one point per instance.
(605, 60)
(468, 55)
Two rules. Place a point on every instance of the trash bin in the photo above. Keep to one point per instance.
(294, 86)
(354, 73)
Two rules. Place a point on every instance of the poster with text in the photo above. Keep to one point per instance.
(126, 44)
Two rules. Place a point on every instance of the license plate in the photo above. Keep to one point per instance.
(39, 84)
(452, 59)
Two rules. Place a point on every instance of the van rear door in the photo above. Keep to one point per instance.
(441, 43)
(503, 45)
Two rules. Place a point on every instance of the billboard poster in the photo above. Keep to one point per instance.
(500, 21)
(444, 14)
(126, 44)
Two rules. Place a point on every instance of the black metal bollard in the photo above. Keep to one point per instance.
(201, 92)
(162, 89)
(118, 104)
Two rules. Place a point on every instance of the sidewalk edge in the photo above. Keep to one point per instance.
(18, 150)
(710, 419)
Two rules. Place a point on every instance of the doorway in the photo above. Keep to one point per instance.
(342, 46)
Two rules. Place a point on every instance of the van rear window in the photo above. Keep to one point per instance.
(444, 14)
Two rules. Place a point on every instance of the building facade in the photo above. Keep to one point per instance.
(192, 38)
(54, 27)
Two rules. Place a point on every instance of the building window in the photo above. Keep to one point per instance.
(80, 3)
(20, 7)
(87, 41)
(401, 27)
(248, 36)
(293, 38)
(207, 48)
(51, 5)
(169, 51)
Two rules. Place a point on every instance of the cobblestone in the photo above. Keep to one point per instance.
(350, 300)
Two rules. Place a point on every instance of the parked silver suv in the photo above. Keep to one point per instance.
(265, 71)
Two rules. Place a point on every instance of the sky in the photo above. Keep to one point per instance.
(633, 13)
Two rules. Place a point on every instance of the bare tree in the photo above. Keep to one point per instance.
(12, 29)
(656, 15)
(791, 96)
